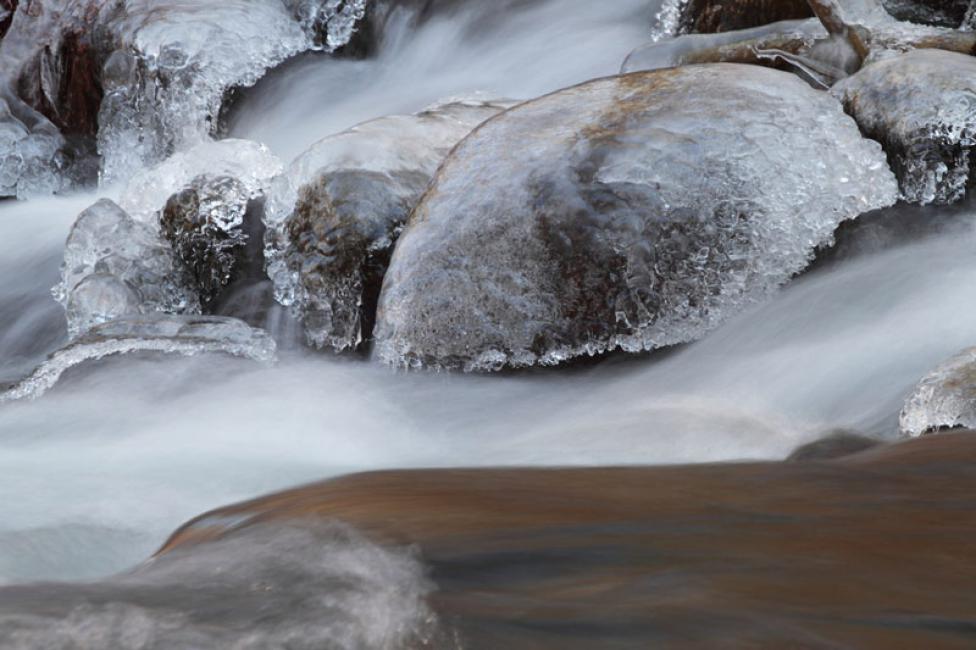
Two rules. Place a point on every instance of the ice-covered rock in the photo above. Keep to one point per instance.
(921, 106)
(333, 218)
(205, 225)
(164, 333)
(629, 212)
(943, 399)
(116, 266)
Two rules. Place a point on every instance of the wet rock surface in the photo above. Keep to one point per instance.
(921, 106)
(333, 220)
(631, 212)
(871, 550)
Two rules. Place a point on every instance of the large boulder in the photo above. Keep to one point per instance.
(333, 218)
(921, 105)
(630, 212)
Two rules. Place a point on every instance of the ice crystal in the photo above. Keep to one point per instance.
(943, 399)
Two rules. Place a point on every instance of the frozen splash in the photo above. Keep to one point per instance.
(312, 586)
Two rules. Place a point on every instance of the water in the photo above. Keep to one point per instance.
(100, 470)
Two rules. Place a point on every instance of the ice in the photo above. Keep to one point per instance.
(943, 399)
(333, 218)
(631, 212)
(115, 266)
(667, 20)
(185, 335)
(250, 163)
(684, 49)
(921, 106)
(168, 83)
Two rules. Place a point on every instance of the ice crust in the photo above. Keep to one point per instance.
(921, 105)
(185, 335)
(630, 212)
(332, 219)
(313, 586)
(116, 266)
(943, 399)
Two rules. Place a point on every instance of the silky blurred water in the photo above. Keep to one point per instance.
(98, 472)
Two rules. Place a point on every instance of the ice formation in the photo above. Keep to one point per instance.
(168, 334)
(921, 106)
(156, 74)
(667, 20)
(313, 586)
(333, 218)
(685, 49)
(116, 266)
(250, 163)
(629, 212)
(944, 399)
(165, 86)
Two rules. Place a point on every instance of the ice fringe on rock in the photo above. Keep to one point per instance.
(630, 212)
(944, 399)
(116, 266)
(334, 216)
(921, 106)
(185, 335)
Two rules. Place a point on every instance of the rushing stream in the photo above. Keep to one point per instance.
(100, 470)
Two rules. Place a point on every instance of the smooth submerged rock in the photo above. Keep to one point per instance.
(334, 218)
(944, 399)
(162, 333)
(629, 212)
(116, 266)
(873, 550)
(921, 105)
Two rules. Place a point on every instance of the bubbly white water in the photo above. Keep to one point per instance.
(100, 470)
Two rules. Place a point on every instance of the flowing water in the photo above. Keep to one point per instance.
(99, 471)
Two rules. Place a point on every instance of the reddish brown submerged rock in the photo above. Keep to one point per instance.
(871, 550)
